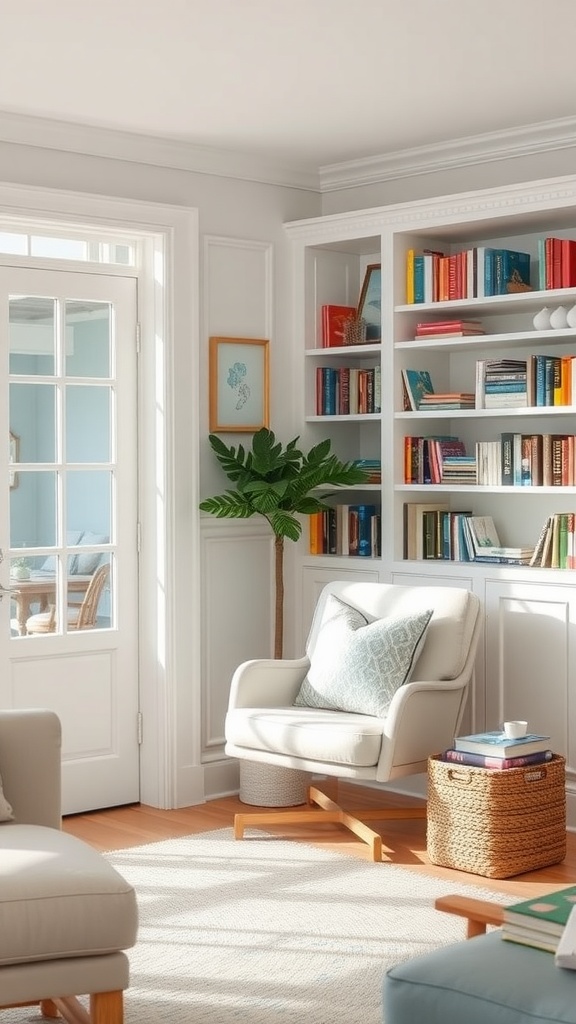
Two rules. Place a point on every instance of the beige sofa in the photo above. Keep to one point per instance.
(66, 914)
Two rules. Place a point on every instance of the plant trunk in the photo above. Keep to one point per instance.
(279, 608)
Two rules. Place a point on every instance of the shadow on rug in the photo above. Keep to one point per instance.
(270, 931)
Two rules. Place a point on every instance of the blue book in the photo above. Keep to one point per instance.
(329, 389)
(509, 268)
(418, 279)
(496, 742)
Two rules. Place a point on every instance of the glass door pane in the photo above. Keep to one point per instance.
(61, 409)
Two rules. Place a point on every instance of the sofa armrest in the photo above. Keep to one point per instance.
(267, 683)
(30, 765)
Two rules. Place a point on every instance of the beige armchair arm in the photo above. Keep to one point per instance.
(30, 765)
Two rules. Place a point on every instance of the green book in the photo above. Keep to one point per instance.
(545, 914)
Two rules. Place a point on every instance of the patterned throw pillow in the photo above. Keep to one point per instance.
(6, 812)
(358, 665)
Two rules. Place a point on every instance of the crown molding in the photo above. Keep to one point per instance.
(134, 147)
(138, 148)
(544, 136)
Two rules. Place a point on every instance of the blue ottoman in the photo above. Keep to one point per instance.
(484, 980)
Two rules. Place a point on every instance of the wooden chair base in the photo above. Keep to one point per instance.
(327, 810)
(478, 913)
(105, 1008)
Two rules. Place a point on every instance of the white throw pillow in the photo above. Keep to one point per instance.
(72, 538)
(87, 564)
(358, 665)
(6, 812)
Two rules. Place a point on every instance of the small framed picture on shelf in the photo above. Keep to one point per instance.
(239, 385)
(370, 304)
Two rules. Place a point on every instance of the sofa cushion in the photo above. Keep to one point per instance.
(60, 898)
(357, 665)
(315, 734)
(481, 980)
(6, 812)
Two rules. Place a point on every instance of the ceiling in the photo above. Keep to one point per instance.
(308, 83)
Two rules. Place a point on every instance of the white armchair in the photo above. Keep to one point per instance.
(382, 687)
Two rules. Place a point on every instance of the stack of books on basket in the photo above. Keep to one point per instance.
(545, 922)
(496, 750)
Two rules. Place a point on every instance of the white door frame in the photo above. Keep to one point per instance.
(168, 298)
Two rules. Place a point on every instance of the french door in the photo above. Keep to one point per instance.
(69, 575)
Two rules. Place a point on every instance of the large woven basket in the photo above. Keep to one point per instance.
(496, 823)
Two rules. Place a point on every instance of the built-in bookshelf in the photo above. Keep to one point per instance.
(527, 662)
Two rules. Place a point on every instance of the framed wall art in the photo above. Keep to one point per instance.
(370, 304)
(239, 385)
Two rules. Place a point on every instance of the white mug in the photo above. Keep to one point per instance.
(514, 730)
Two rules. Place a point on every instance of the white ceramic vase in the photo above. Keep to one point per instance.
(571, 316)
(541, 319)
(559, 318)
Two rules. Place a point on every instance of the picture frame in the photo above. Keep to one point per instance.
(13, 457)
(370, 302)
(239, 387)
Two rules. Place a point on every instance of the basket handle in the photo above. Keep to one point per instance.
(459, 776)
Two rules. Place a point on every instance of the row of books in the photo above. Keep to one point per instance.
(556, 545)
(434, 531)
(480, 271)
(352, 530)
(437, 459)
(348, 390)
(539, 381)
(556, 263)
(511, 460)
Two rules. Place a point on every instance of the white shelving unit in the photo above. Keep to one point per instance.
(527, 667)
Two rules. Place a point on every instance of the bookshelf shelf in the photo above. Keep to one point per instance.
(486, 341)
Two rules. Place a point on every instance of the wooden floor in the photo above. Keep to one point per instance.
(405, 840)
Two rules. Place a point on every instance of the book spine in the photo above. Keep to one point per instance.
(410, 277)
(418, 279)
(507, 455)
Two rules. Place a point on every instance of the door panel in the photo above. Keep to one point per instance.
(69, 631)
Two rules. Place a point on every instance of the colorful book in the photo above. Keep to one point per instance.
(511, 271)
(548, 914)
(497, 744)
(496, 763)
(334, 319)
(417, 383)
(483, 532)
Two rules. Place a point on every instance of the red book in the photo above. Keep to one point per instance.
(447, 325)
(568, 262)
(334, 319)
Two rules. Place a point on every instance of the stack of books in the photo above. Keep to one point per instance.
(497, 751)
(501, 383)
(448, 328)
(539, 922)
(372, 467)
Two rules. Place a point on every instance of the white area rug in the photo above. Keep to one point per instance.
(269, 931)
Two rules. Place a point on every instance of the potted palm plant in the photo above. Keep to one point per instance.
(277, 482)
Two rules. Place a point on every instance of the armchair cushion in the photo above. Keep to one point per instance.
(357, 665)
(6, 812)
